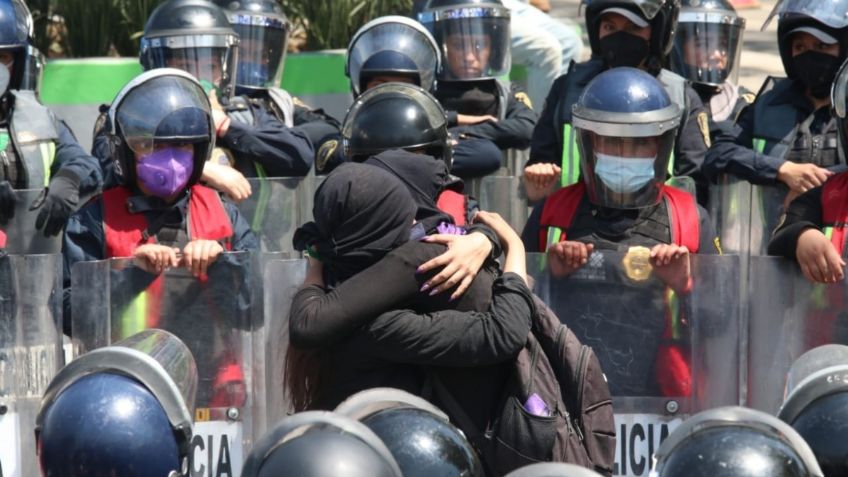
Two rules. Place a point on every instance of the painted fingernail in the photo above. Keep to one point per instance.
(434, 292)
(419, 270)
(425, 287)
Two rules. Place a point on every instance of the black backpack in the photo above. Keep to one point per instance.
(566, 378)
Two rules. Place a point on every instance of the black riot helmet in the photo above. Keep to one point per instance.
(473, 36)
(626, 125)
(161, 106)
(396, 116)
(263, 31)
(317, 444)
(419, 435)
(661, 15)
(16, 29)
(121, 410)
(194, 36)
(734, 441)
(708, 42)
(392, 46)
(824, 20)
(553, 470)
(816, 405)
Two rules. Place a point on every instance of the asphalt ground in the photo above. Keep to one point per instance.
(759, 58)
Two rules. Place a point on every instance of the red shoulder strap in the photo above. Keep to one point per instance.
(453, 203)
(207, 217)
(559, 211)
(122, 230)
(834, 201)
(685, 222)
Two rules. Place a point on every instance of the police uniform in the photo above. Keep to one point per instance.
(724, 104)
(780, 126)
(554, 141)
(479, 147)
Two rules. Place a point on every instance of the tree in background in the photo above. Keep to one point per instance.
(85, 28)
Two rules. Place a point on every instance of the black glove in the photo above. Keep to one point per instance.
(8, 199)
(58, 201)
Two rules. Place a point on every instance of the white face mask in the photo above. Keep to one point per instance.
(624, 175)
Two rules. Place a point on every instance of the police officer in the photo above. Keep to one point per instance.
(195, 36)
(815, 404)
(706, 51)
(320, 443)
(149, 381)
(37, 149)
(419, 435)
(734, 441)
(625, 124)
(263, 31)
(788, 136)
(485, 115)
(812, 231)
(621, 33)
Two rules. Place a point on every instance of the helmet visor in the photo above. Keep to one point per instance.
(707, 47)
(262, 50)
(475, 42)
(393, 49)
(624, 172)
(209, 58)
(833, 13)
(33, 69)
(649, 8)
(170, 110)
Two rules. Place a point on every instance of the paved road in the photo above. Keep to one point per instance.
(760, 57)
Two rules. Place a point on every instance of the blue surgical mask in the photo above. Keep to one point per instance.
(624, 175)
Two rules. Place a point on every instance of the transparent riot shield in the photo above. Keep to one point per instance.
(216, 317)
(30, 352)
(665, 354)
(505, 195)
(273, 211)
(788, 316)
(746, 215)
(22, 238)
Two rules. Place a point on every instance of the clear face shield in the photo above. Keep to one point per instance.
(209, 58)
(833, 13)
(394, 47)
(707, 47)
(262, 50)
(143, 123)
(475, 42)
(33, 69)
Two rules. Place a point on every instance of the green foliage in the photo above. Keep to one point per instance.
(331, 23)
(94, 27)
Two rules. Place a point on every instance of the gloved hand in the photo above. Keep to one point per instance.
(7, 202)
(58, 201)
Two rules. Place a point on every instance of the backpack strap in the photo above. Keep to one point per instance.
(558, 214)
(685, 220)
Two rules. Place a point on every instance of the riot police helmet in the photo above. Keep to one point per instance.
(263, 30)
(826, 22)
(194, 36)
(708, 42)
(473, 36)
(121, 410)
(393, 47)
(16, 30)
(734, 441)
(396, 116)
(816, 404)
(617, 49)
(553, 470)
(419, 435)
(161, 108)
(626, 125)
(320, 443)
(839, 101)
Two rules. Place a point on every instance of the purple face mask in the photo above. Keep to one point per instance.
(166, 171)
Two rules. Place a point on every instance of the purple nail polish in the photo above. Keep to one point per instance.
(425, 287)
(433, 292)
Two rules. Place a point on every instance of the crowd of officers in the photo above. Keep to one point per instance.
(622, 154)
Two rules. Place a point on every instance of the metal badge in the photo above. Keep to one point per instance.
(637, 263)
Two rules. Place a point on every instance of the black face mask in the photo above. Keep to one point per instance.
(624, 49)
(817, 71)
